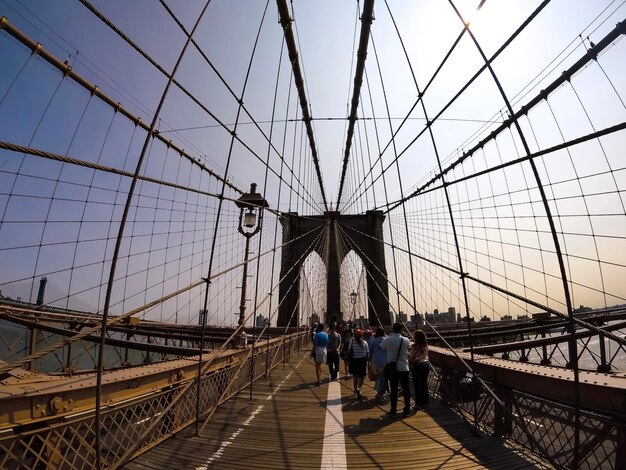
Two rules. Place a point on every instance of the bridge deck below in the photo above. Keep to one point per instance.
(287, 425)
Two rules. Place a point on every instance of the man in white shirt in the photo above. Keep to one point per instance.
(397, 347)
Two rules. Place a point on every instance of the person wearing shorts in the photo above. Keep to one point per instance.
(320, 342)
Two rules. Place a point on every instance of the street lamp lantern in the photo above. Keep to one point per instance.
(353, 296)
(249, 219)
(253, 204)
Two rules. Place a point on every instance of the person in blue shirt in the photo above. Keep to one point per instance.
(378, 358)
(320, 342)
(332, 352)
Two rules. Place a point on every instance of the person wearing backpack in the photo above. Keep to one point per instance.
(397, 369)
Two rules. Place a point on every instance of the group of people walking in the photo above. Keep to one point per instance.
(390, 361)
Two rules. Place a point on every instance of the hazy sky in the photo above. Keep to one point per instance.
(327, 33)
(503, 231)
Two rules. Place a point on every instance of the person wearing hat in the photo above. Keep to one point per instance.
(358, 354)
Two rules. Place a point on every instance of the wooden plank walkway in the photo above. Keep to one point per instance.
(283, 427)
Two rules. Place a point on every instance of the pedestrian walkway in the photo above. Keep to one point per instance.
(291, 423)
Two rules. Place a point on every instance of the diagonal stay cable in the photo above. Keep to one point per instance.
(253, 121)
(192, 97)
(501, 290)
(590, 55)
(420, 97)
(38, 49)
(114, 320)
(220, 353)
(95, 166)
(517, 418)
(460, 92)
(547, 151)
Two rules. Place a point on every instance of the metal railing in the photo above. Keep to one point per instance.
(66, 442)
(545, 427)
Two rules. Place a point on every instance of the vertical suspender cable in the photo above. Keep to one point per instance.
(573, 355)
(395, 151)
(264, 191)
(217, 222)
(120, 234)
(393, 248)
(447, 195)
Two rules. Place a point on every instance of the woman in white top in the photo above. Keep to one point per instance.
(359, 354)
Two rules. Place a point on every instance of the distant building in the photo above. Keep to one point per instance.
(449, 316)
(506, 317)
(260, 320)
(401, 318)
(522, 317)
(446, 317)
(201, 316)
(541, 316)
(485, 318)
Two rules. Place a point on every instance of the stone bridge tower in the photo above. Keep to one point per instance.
(365, 233)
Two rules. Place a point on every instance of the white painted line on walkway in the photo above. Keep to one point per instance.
(220, 451)
(334, 450)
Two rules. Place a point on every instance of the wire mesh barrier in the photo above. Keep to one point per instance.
(481, 185)
(544, 427)
(135, 425)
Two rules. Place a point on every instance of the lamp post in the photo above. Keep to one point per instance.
(353, 301)
(250, 223)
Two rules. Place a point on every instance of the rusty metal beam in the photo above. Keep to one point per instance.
(39, 397)
(285, 21)
(157, 331)
(367, 17)
(598, 391)
(535, 343)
